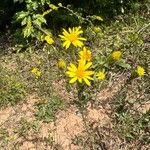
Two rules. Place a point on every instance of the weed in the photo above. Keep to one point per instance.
(4, 137)
(131, 125)
(50, 140)
(46, 112)
(78, 140)
(27, 127)
(12, 90)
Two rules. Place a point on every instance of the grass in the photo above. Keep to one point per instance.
(27, 127)
(12, 89)
(46, 112)
(4, 137)
(129, 125)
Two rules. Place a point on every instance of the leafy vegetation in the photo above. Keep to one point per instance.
(27, 127)
(46, 112)
(12, 90)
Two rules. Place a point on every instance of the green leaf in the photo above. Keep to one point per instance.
(39, 19)
(22, 15)
(123, 64)
(24, 21)
(29, 28)
(43, 2)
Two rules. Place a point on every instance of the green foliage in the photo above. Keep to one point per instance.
(50, 140)
(30, 17)
(29, 11)
(133, 126)
(12, 90)
(27, 127)
(4, 137)
(46, 112)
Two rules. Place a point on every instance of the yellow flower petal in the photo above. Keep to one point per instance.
(87, 81)
(85, 54)
(88, 65)
(73, 80)
(80, 80)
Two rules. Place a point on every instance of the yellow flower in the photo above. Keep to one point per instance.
(85, 54)
(72, 37)
(36, 72)
(61, 64)
(80, 73)
(49, 40)
(101, 75)
(140, 71)
(116, 55)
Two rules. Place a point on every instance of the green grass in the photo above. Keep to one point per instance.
(27, 127)
(131, 124)
(12, 89)
(134, 127)
(4, 137)
(46, 112)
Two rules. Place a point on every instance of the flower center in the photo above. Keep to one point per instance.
(72, 37)
(80, 73)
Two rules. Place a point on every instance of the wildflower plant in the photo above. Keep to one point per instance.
(86, 70)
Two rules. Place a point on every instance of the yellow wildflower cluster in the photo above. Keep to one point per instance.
(80, 72)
